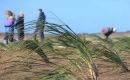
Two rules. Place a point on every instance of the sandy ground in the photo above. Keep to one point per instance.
(19, 65)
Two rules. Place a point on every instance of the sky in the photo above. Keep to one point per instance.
(83, 16)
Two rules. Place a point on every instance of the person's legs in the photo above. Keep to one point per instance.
(11, 37)
(108, 34)
(107, 37)
(20, 35)
(36, 31)
(41, 32)
(6, 38)
(35, 35)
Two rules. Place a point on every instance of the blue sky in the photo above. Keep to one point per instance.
(83, 16)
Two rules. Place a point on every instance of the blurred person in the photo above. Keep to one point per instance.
(9, 27)
(108, 31)
(19, 25)
(40, 25)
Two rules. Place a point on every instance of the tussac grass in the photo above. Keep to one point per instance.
(98, 50)
(67, 38)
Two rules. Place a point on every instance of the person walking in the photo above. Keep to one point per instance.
(40, 25)
(19, 25)
(9, 27)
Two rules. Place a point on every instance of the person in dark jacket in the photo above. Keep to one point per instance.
(40, 25)
(19, 25)
(108, 31)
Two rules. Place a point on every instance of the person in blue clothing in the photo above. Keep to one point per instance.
(9, 27)
(40, 25)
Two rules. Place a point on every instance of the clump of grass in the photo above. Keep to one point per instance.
(70, 39)
(2, 45)
(105, 51)
(29, 45)
(123, 44)
(59, 74)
